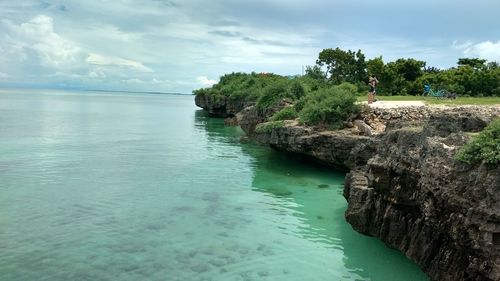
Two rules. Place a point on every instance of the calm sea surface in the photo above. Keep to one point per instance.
(121, 186)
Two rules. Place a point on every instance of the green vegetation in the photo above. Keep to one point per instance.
(484, 147)
(278, 91)
(242, 86)
(287, 113)
(329, 106)
(269, 126)
(317, 102)
(326, 94)
(471, 77)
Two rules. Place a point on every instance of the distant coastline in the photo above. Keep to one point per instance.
(93, 90)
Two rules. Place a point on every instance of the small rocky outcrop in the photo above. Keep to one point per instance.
(251, 116)
(220, 106)
(341, 149)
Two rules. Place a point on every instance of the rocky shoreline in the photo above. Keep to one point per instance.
(403, 185)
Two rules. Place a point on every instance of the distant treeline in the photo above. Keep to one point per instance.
(406, 76)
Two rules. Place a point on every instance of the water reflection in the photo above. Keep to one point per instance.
(307, 202)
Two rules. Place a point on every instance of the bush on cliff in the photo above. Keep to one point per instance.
(273, 93)
(242, 86)
(329, 106)
(269, 126)
(484, 147)
(287, 113)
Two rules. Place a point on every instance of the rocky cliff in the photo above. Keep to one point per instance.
(404, 186)
(415, 197)
(220, 106)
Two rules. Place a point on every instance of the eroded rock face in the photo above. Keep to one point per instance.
(221, 106)
(251, 116)
(404, 186)
(415, 197)
(340, 149)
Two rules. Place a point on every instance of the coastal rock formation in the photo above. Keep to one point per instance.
(251, 116)
(220, 106)
(404, 185)
(416, 198)
(405, 188)
(341, 149)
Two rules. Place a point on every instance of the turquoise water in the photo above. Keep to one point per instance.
(116, 186)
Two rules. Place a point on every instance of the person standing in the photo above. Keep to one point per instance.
(372, 83)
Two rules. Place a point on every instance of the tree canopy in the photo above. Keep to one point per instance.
(407, 76)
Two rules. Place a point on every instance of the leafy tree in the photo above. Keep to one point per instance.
(472, 62)
(492, 65)
(360, 71)
(315, 72)
(343, 66)
(410, 69)
(431, 69)
(375, 66)
(399, 77)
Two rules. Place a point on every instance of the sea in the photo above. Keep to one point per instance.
(99, 185)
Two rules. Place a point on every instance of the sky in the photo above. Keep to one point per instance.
(178, 46)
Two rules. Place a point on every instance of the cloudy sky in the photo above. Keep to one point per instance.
(178, 46)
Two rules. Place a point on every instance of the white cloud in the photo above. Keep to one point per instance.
(35, 40)
(203, 80)
(34, 52)
(486, 50)
(115, 61)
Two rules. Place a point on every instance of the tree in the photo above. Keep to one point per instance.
(343, 66)
(315, 72)
(360, 74)
(492, 65)
(375, 66)
(472, 62)
(431, 69)
(410, 69)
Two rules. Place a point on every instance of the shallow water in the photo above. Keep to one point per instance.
(117, 186)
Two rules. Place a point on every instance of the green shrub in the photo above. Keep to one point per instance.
(274, 93)
(329, 107)
(271, 95)
(484, 147)
(269, 126)
(299, 105)
(242, 86)
(287, 113)
(297, 90)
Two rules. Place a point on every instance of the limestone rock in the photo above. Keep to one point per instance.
(404, 186)
(363, 128)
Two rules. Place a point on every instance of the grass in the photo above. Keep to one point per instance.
(431, 100)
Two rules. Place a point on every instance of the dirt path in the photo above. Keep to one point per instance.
(395, 104)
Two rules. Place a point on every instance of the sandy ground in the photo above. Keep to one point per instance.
(395, 104)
